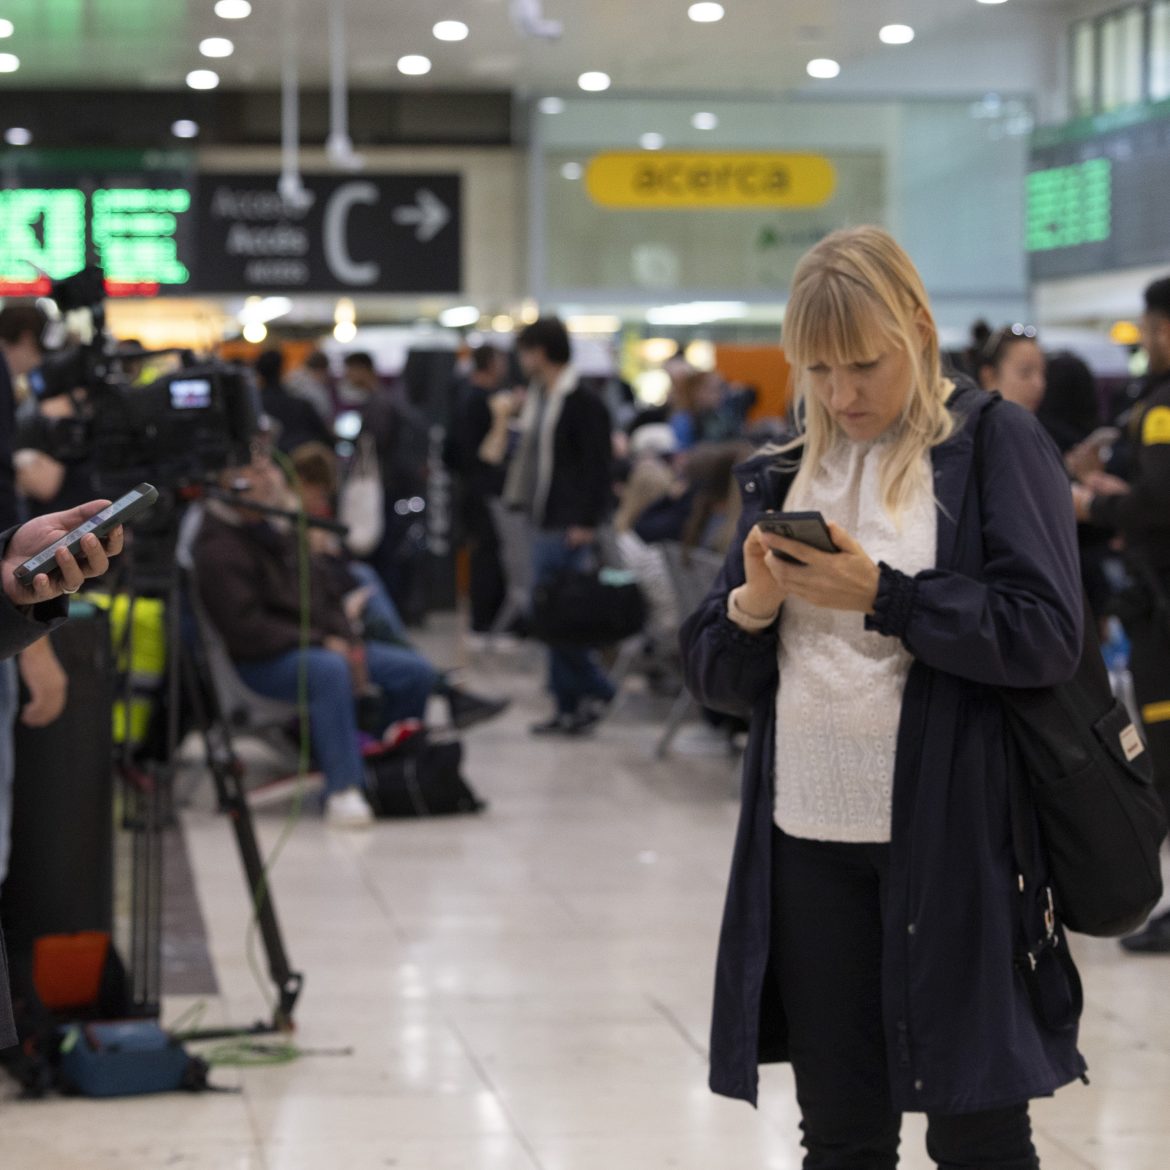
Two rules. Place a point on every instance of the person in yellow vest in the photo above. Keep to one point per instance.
(1138, 508)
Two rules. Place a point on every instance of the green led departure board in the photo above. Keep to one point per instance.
(137, 233)
(1096, 202)
(1069, 206)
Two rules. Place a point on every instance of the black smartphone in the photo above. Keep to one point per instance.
(807, 527)
(122, 511)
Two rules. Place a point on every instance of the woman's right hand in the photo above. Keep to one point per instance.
(761, 595)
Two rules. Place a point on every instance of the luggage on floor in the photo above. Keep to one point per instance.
(419, 777)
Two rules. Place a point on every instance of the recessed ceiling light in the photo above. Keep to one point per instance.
(233, 9)
(203, 79)
(255, 332)
(18, 136)
(992, 1)
(216, 47)
(185, 128)
(460, 317)
(594, 82)
(414, 65)
(705, 121)
(823, 68)
(7, 28)
(9, 62)
(572, 171)
(896, 34)
(706, 13)
(551, 105)
(451, 30)
(652, 141)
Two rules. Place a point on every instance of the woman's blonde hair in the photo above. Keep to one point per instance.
(856, 295)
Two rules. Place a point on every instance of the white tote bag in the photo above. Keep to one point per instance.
(361, 507)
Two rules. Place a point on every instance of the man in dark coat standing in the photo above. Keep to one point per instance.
(1138, 508)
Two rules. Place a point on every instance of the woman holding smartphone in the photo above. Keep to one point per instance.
(876, 913)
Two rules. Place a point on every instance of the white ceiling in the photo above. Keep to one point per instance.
(761, 46)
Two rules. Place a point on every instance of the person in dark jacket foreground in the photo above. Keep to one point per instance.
(27, 614)
(875, 913)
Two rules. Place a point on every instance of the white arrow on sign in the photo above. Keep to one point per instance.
(430, 215)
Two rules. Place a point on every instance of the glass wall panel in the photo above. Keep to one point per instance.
(1122, 58)
(1160, 50)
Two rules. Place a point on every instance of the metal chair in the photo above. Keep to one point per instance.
(692, 573)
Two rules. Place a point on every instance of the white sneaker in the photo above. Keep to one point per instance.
(348, 810)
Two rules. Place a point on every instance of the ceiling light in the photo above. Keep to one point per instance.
(255, 332)
(461, 317)
(414, 65)
(594, 82)
(451, 30)
(503, 323)
(572, 171)
(185, 128)
(18, 136)
(9, 63)
(7, 28)
(551, 105)
(203, 79)
(594, 324)
(896, 34)
(233, 9)
(696, 313)
(652, 141)
(824, 68)
(705, 121)
(216, 47)
(344, 331)
(992, 1)
(705, 13)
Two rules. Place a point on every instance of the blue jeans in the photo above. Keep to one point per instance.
(405, 678)
(574, 673)
(380, 611)
(9, 705)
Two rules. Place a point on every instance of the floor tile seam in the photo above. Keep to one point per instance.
(679, 1028)
(481, 1071)
(1061, 1144)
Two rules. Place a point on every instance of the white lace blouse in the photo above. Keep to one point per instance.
(840, 697)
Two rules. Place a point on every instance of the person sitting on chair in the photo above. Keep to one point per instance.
(378, 617)
(249, 574)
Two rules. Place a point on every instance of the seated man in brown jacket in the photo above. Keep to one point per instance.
(248, 570)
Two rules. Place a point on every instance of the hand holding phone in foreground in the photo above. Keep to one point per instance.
(846, 579)
(31, 538)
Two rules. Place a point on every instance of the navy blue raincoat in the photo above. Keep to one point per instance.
(1002, 607)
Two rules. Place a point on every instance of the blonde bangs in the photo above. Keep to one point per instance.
(838, 321)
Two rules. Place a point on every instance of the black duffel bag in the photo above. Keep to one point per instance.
(420, 777)
(1101, 820)
(590, 609)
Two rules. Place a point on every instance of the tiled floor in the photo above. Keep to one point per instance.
(529, 990)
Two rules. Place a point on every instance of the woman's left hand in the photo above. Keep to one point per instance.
(846, 579)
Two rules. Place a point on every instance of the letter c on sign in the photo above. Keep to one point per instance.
(337, 256)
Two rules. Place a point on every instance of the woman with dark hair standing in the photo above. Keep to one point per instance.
(876, 915)
(1012, 362)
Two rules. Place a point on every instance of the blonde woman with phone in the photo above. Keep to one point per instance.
(875, 910)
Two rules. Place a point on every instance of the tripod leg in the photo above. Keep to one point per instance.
(227, 775)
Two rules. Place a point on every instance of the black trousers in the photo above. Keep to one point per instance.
(1149, 663)
(489, 585)
(827, 945)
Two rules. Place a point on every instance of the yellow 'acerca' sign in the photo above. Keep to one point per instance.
(685, 180)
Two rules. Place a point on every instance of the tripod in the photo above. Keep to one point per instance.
(150, 570)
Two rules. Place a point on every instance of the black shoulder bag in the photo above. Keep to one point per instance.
(1090, 783)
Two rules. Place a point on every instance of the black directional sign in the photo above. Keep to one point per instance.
(354, 233)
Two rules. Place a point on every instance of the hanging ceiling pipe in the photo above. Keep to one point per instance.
(291, 186)
(339, 145)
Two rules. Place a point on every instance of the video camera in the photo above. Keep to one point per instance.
(175, 430)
